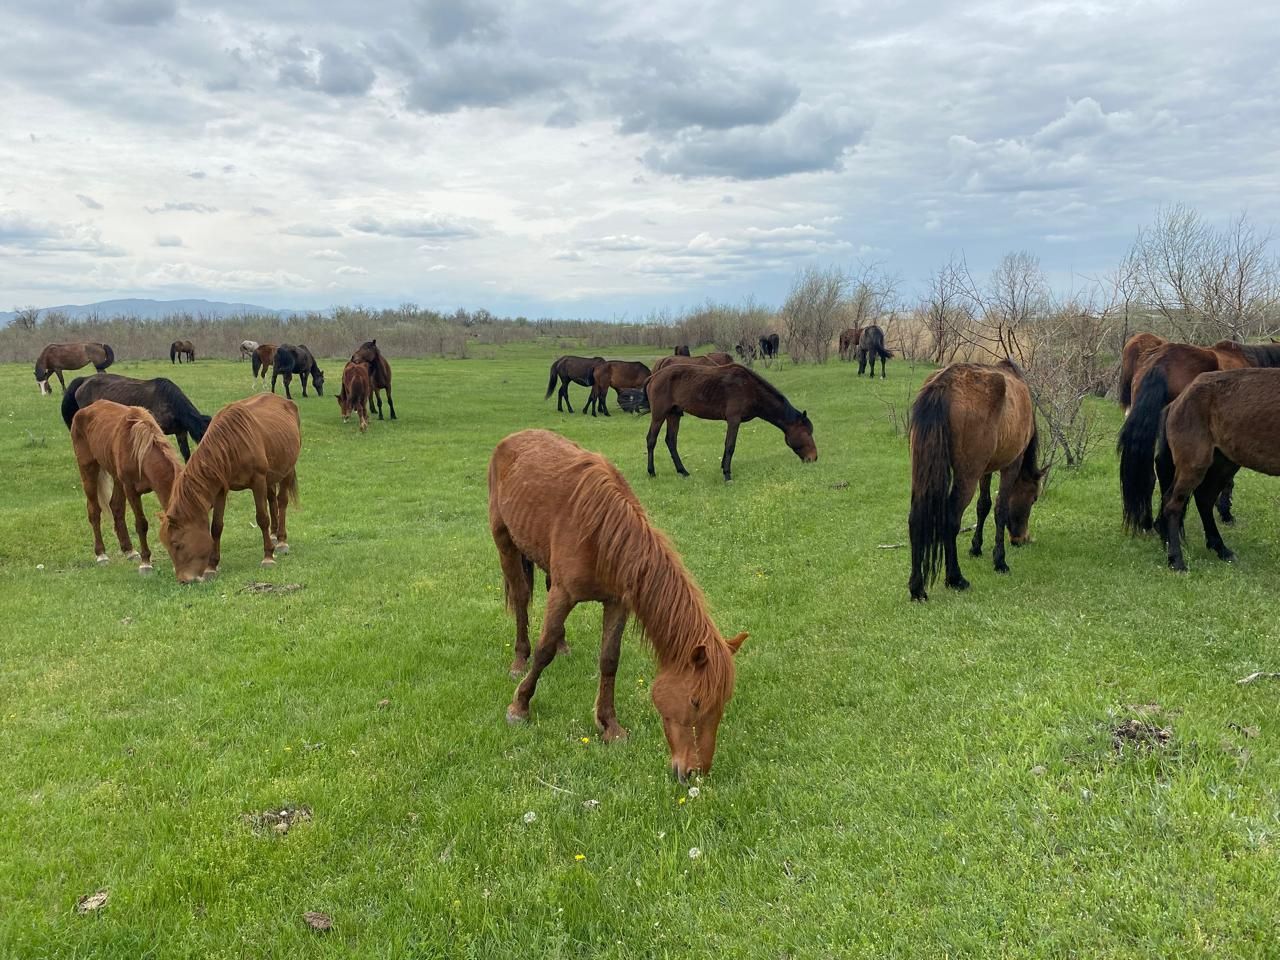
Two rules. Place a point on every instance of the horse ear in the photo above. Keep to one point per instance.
(737, 641)
(700, 656)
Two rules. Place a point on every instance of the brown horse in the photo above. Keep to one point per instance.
(356, 388)
(1222, 422)
(554, 505)
(731, 393)
(570, 369)
(253, 445)
(264, 356)
(122, 453)
(849, 342)
(706, 360)
(57, 357)
(379, 375)
(1135, 351)
(682, 350)
(1161, 376)
(968, 421)
(180, 348)
(618, 374)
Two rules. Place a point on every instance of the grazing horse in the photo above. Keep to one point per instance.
(264, 355)
(379, 375)
(57, 357)
(292, 359)
(557, 506)
(1136, 349)
(1161, 376)
(247, 348)
(356, 388)
(1223, 421)
(769, 346)
(122, 454)
(682, 350)
(706, 360)
(849, 342)
(968, 421)
(180, 348)
(570, 369)
(162, 398)
(618, 374)
(746, 351)
(252, 444)
(731, 393)
(871, 344)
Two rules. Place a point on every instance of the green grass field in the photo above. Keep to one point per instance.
(892, 780)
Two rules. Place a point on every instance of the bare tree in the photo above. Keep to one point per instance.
(946, 312)
(26, 318)
(813, 311)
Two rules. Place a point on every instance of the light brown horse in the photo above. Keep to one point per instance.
(731, 393)
(706, 359)
(182, 348)
(554, 505)
(264, 358)
(356, 388)
(618, 374)
(251, 444)
(1223, 421)
(122, 453)
(968, 421)
(849, 341)
(57, 357)
(1135, 351)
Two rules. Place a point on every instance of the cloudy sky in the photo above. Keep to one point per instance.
(603, 158)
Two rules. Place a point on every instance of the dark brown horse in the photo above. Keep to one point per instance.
(849, 342)
(769, 347)
(264, 355)
(618, 374)
(122, 454)
(356, 388)
(1223, 421)
(682, 350)
(176, 415)
(706, 360)
(251, 444)
(555, 506)
(746, 351)
(1161, 376)
(731, 393)
(292, 359)
(182, 348)
(379, 375)
(57, 357)
(968, 421)
(1135, 351)
(871, 346)
(570, 369)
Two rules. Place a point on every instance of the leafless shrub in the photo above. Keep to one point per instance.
(814, 312)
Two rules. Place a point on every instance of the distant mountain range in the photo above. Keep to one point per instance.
(154, 309)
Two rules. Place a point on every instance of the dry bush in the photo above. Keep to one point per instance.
(814, 313)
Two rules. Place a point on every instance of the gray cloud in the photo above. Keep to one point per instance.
(183, 206)
(343, 74)
(465, 78)
(197, 175)
(23, 233)
(431, 226)
(88, 201)
(453, 21)
(136, 13)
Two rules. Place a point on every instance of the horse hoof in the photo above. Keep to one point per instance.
(1227, 556)
(562, 649)
(961, 584)
(133, 555)
(282, 547)
(103, 558)
(268, 562)
(613, 733)
(146, 570)
(1002, 568)
(514, 716)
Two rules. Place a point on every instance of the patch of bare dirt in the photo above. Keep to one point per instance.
(258, 586)
(279, 821)
(1140, 733)
(320, 922)
(92, 901)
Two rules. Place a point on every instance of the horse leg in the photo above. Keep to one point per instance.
(273, 381)
(559, 603)
(288, 379)
(862, 363)
(590, 405)
(261, 500)
(303, 378)
(604, 401)
(391, 403)
(140, 525)
(517, 576)
(1216, 482)
(377, 398)
(117, 517)
(273, 510)
(215, 531)
(282, 508)
(60, 380)
(730, 442)
(1008, 477)
(1224, 502)
(564, 392)
(673, 431)
(961, 493)
(89, 480)
(615, 619)
(984, 508)
(183, 445)
(651, 441)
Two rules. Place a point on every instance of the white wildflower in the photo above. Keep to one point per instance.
(693, 793)
(530, 817)
(694, 853)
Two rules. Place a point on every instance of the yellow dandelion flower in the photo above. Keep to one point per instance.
(585, 740)
(579, 857)
(681, 801)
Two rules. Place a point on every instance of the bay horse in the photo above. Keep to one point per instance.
(1161, 376)
(849, 342)
(968, 421)
(707, 360)
(769, 345)
(291, 359)
(618, 374)
(731, 393)
(558, 507)
(379, 375)
(871, 345)
(1134, 352)
(570, 369)
(1223, 421)
(57, 357)
(682, 350)
(251, 444)
(122, 453)
(180, 348)
(176, 415)
(264, 355)
(356, 388)
(247, 348)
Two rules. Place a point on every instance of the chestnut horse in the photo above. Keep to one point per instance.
(1223, 421)
(618, 374)
(731, 393)
(570, 369)
(849, 342)
(160, 397)
(180, 348)
(251, 444)
(557, 506)
(379, 375)
(871, 345)
(968, 421)
(1162, 374)
(707, 360)
(1135, 351)
(247, 348)
(264, 355)
(57, 357)
(122, 454)
(769, 346)
(356, 388)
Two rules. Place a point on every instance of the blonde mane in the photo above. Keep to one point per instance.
(145, 435)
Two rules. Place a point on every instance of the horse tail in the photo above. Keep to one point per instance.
(69, 403)
(551, 384)
(111, 356)
(1030, 469)
(931, 475)
(257, 364)
(289, 487)
(106, 487)
(173, 351)
(1137, 446)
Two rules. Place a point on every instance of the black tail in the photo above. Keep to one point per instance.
(173, 351)
(929, 522)
(111, 357)
(1164, 465)
(884, 354)
(1137, 446)
(551, 384)
(1030, 469)
(257, 364)
(69, 404)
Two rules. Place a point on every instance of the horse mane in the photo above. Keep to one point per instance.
(638, 560)
(1262, 354)
(230, 431)
(789, 413)
(144, 434)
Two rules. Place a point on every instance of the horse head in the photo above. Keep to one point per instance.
(799, 437)
(690, 696)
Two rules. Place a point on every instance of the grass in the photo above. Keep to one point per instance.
(892, 780)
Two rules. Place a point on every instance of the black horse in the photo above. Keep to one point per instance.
(176, 414)
(871, 344)
(769, 347)
(292, 359)
(570, 369)
(682, 350)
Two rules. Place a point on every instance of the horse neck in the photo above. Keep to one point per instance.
(194, 487)
(162, 473)
(774, 408)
